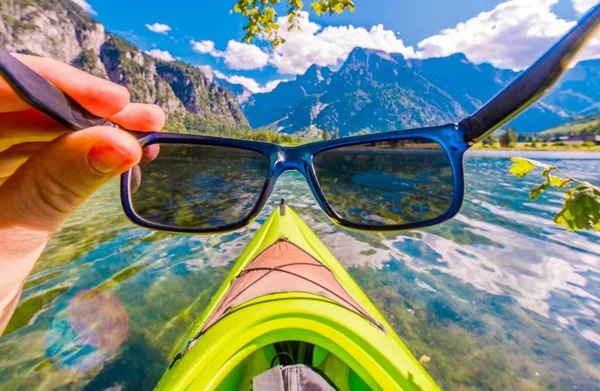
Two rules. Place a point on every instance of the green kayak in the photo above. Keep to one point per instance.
(289, 317)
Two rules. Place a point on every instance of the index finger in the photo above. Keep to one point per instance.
(100, 97)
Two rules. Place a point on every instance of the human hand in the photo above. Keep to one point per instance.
(46, 171)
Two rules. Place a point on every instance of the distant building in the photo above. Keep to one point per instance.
(577, 140)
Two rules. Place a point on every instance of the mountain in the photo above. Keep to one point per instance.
(376, 91)
(267, 108)
(60, 29)
(372, 91)
(588, 124)
(241, 93)
(579, 90)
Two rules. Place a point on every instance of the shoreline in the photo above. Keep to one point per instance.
(595, 149)
(534, 154)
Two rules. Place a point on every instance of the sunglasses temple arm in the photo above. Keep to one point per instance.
(45, 97)
(532, 84)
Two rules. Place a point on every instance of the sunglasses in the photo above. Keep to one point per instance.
(388, 181)
(381, 182)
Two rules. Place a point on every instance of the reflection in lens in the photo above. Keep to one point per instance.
(387, 183)
(199, 186)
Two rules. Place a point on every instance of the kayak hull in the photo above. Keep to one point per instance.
(351, 342)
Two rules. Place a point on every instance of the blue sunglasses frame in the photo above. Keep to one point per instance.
(300, 159)
(455, 139)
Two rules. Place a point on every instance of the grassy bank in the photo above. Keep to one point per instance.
(539, 146)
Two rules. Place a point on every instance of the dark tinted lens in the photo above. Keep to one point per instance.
(387, 183)
(199, 186)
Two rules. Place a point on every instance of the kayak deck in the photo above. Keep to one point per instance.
(283, 267)
(288, 301)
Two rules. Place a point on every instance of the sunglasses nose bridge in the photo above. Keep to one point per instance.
(289, 159)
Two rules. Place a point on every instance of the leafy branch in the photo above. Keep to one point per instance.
(581, 210)
(262, 16)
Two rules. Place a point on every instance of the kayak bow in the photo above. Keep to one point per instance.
(289, 304)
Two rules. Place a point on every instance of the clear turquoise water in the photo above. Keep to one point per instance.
(500, 298)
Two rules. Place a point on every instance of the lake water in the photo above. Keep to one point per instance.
(500, 298)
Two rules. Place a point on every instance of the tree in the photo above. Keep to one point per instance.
(490, 139)
(508, 137)
(336, 133)
(262, 16)
(326, 135)
(526, 137)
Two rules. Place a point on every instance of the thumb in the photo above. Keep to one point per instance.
(57, 179)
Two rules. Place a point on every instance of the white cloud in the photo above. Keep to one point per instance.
(581, 6)
(159, 28)
(252, 85)
(206, 47)
(86, 6)
(329, 46)
(239, 56)
(243, 56)
(270, 86)
(247, 82)
(207, 70)
(161, 55)
(512, 35)
(218, 74)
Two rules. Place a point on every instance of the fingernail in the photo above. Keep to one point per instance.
(106, 159)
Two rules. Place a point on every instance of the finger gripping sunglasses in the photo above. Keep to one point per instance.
(385, 182)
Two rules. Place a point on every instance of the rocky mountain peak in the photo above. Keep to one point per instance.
(364, 56)
(315, 74)
(377, 91)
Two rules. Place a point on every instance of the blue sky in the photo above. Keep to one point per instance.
(507, 33)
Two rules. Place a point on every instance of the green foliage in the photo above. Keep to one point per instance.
(17, 24)
(336, 133)
(588, 144)
(117, 55)
(332, 6)
(581, 210)
(271, 137)
(193, 124)
(326, 135)
(75, 13)
(29, 53)
(525, 137)
(88, 61)
(262, 16)
(508, 137)
(198, 95)
(490, 139)
(587, 125)
(522, 166)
